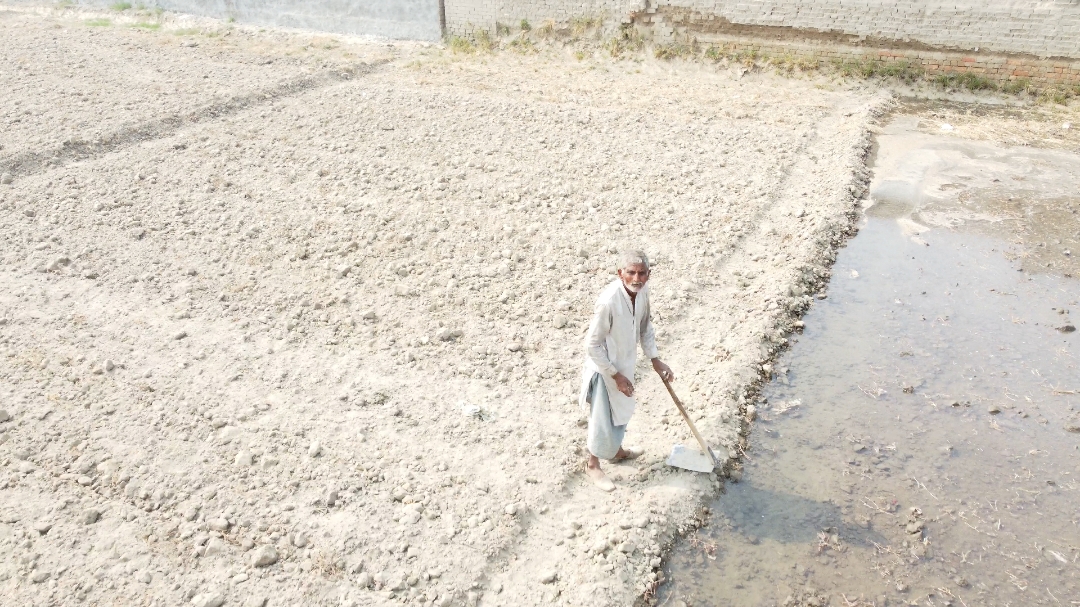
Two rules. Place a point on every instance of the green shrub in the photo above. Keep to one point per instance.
(1017, 86)
(672, 51)
(460, 44)
(484, 41)
(966, 80)
(628, 38)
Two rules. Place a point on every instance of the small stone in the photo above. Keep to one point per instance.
(85, 481)
(627, 547)
(332, 498)
(364, 579)
(1073, 427)
(369, 315)
(315, 449)
(42, 527)
(4, 416)
(255, 601)
(144, 577)
(514, 346)
(91, 516)
(244, 458)
(264, 557)
(559, 321)
(915, 527)
(179, 335)
(214, 547)
(511, 509)
(993, 409)
(1066, 328)
(208, 599)
(219, 524)
(300, 539)
(39, 576)
(6, 178)
(548, 577)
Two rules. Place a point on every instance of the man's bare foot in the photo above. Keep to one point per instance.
(628, 454)
(593, 471)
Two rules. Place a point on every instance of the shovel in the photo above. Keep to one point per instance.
(686, 458)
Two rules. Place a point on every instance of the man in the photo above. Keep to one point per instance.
(621, 320)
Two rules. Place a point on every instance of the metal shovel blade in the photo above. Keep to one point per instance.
(689, 459)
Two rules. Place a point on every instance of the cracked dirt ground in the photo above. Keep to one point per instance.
(293, 319)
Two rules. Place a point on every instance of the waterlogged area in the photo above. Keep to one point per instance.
(920, 444)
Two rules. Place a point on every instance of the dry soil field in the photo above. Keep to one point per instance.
(291, 320)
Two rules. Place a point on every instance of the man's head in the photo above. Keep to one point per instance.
(633, 270)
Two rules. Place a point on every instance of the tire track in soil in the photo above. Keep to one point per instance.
(31, 163)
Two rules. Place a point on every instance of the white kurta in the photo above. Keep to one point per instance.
(617, 327)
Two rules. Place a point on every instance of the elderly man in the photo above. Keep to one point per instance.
(621, 320)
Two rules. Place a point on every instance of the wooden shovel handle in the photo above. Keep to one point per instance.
(678, 403)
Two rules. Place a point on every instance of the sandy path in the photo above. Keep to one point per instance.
(252, 333)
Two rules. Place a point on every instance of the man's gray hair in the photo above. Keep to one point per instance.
(633, 257)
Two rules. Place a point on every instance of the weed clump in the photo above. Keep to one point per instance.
(462, 45)
(484, 41)
(547, 30)
(626, 39)
(904, 71)
(98, 22)
(121, 6)
(966, 80)
(673, 51)
(579, 26)
(1016, 87)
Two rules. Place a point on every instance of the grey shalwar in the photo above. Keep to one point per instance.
(605, 438)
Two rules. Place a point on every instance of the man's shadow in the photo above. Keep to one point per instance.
(787, 518)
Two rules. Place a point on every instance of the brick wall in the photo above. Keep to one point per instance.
(1000, 39)
(997, 67)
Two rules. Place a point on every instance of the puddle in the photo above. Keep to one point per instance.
(914, 448)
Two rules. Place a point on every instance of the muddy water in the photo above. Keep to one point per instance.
(918, 444)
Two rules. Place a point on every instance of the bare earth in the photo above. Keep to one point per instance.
(291, 320)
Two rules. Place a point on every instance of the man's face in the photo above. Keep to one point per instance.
(634, 277)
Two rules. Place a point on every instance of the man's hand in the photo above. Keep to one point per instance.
(624, 385)
(663, 370)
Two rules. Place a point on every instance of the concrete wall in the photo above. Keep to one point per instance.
(398, 19)
(414, 19)
(1040, 28)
